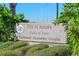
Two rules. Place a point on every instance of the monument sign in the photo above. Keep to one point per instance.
(37, 32)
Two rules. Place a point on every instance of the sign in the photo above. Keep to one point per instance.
(35, 32)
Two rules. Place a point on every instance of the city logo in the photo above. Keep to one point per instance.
(19, 28)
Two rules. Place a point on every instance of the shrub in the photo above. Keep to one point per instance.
(36, 48)
(6, 44)
(18, 52)
(0, 43)
(6, 53)
(7, 23)
(53, 51)
(22, 50)
(17, 45)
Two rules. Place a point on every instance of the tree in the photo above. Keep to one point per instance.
(70, 17)
(25, 21)
(13, 10)
(8, 22)
(13, 7)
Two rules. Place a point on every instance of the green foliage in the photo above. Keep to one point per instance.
(17, 44)
(24, 49)
(7, 23)
(70, 16)
(6, 53)
(20, 48)
(36, 48)
(21, 51)
(18, 52)
(60, 50)
(6, 44)
(0, 43)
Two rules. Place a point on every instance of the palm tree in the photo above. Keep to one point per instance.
(13, 7)
(13, 10)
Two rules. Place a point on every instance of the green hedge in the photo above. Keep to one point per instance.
(0, 43)
(17, 44)
(6, 44)
(21, 51)
(60, 50)
(6, 53)
(24, 49)
(36, 48)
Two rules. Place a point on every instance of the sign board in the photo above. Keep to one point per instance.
(35, 32)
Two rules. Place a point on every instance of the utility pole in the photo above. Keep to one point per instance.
(57, 10)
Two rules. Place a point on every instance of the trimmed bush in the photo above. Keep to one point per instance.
(6, 44)
(21, 51)
(36, 48)
(0, 43)
(53, 51)
(17, 44)
(24, 49)
(18, 53)
(6, 53)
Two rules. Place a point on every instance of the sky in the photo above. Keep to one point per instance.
(38, 12)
